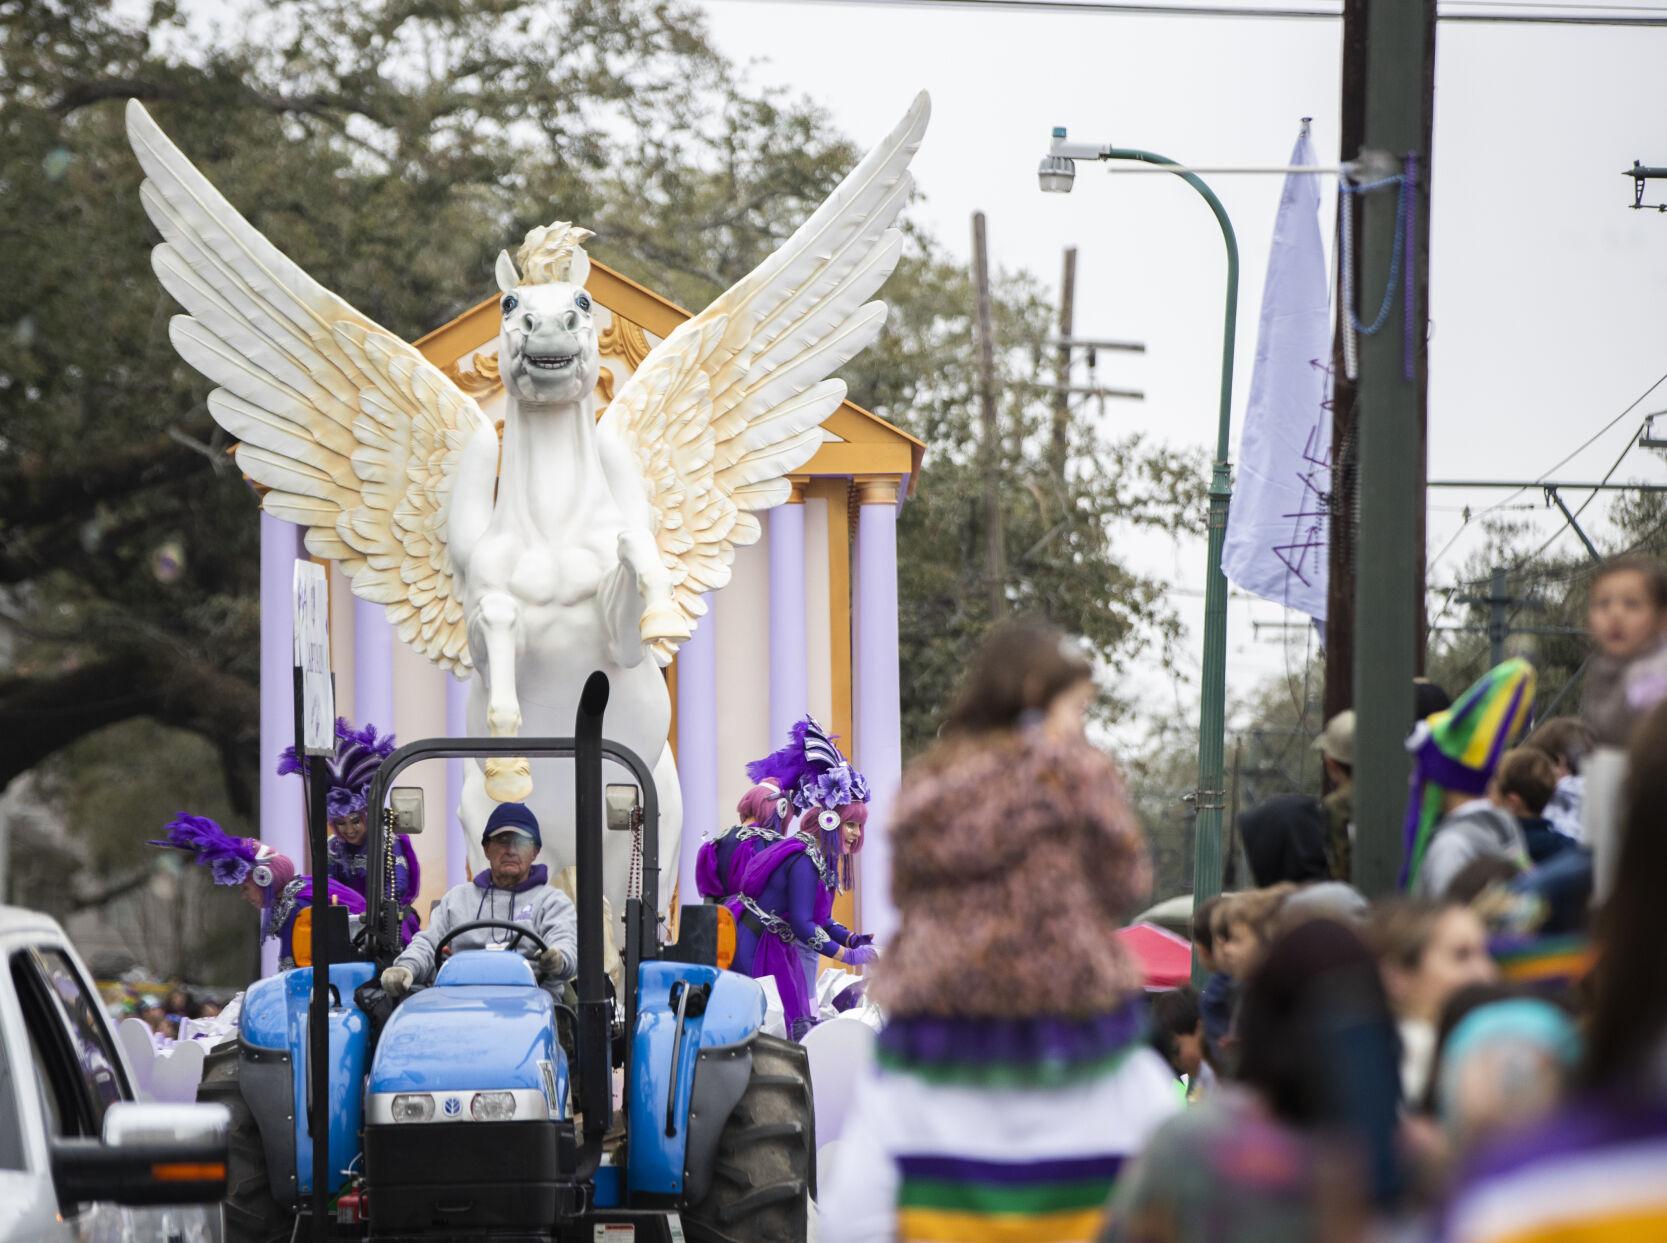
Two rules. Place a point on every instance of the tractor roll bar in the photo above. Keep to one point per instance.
(592, 1082)
(384, 924)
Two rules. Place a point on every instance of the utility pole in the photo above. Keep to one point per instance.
(1400, 61)
(1498, 598)
(1058, 447)
(995, 569)
(1339, 627)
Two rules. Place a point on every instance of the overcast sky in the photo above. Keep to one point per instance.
(1546, 290)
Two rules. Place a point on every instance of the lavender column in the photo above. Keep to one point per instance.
(789, 672)
(282, 814)
(457, 726)
(373, 666)
(878, 706)
(697, 747)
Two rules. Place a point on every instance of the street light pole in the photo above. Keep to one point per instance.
(1211, 795)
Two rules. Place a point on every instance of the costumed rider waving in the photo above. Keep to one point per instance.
(786, 892)
(511, 890)
(267, 880)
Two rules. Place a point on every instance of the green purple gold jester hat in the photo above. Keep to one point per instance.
(1458, 749)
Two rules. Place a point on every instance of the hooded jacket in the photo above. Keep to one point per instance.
(533, 904)
(1471, 831)
(1285, 839)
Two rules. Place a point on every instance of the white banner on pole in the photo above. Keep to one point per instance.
(312, 657)
(1278, 529)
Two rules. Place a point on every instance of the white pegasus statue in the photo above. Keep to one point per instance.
(577, 544)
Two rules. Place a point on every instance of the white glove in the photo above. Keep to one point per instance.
(553, 963)
(396, 981)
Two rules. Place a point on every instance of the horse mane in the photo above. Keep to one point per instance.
(548, 253)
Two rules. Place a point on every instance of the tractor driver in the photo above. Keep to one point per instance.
(512, 890)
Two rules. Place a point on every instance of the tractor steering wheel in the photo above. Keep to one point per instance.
(520, 930)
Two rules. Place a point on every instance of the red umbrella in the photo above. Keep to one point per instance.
(1165, 959)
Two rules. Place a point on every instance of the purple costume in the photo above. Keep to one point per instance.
(233, 860)
(358, 754)
(282, 911)
(350, 867)
(786, 917)
(786, 888)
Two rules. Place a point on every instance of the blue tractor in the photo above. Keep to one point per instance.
(482, 1107)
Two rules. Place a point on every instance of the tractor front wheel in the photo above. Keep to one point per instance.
(249, 1214)
(765, 1173)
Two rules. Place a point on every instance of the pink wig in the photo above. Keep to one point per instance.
(758, 806)
(833, 840)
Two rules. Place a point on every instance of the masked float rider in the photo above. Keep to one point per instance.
(348, 773)
(766, 813)
(266, 879)
(786, 925)
(511, 889)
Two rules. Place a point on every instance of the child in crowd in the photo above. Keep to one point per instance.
(1626, 677)
(1567, 740)
(1625, 615)
(1177, 1033)
(1523, 785)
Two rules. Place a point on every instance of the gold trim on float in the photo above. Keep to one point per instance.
(623, 339)
(478, 378)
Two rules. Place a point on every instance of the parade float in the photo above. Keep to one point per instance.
(541, 501)
(562, 479)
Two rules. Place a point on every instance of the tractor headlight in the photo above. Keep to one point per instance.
(492, 1106)
(412, 1107)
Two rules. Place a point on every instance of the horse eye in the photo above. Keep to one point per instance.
(510, 303)
(582, 302)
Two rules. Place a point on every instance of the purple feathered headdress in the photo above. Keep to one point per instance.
(358, 754)
(811, 769)
(229, 858)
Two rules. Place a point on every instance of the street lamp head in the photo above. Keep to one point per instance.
(1056, 173)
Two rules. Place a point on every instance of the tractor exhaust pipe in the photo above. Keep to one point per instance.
(594, 1095)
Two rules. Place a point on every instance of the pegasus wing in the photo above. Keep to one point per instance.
(732, 402)
(353, 434)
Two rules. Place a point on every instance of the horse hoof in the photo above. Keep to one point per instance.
(509, 780)
(665, 623)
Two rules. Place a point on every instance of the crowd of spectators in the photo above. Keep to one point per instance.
(1481, 1056)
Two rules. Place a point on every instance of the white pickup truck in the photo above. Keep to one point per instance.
(80, 1158)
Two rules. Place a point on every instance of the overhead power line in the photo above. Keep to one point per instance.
(1547, 473)
(1467, 12)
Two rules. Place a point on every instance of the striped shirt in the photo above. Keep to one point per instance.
(1590, 1173)
(963, 1149)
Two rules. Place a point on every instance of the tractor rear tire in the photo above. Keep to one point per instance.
(765, 1171)
(248, 1214)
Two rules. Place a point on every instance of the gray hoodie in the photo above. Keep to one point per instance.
(533, 904)
(1468, 832)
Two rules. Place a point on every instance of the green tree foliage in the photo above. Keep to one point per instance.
(391, 147)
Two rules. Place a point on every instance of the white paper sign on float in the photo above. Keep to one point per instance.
(1278, 526)
(312, 657)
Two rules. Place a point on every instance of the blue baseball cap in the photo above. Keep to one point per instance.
(512, 817)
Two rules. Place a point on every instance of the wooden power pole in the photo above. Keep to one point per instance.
(1340, 550)
(1059, 443)
(1389, 431)
(995, 568)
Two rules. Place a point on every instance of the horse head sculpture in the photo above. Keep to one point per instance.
(547, 345)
